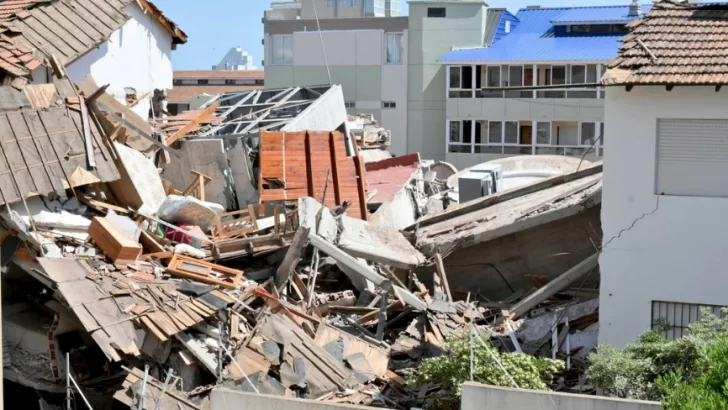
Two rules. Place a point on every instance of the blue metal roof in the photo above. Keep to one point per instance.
(596, 15)
(536, 39)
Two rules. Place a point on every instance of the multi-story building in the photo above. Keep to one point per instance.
(236, 59)
(191, 89)
(534, 90)
(387, 66)
(331, 9)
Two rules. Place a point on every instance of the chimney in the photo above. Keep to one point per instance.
(634, 9)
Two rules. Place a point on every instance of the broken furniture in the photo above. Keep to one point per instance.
(114, 241)
(235, 224)
(205, 272)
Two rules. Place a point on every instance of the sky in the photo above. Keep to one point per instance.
(215, 26)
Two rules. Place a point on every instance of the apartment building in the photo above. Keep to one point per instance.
(534, 91)
(331, 9)
(388, 66)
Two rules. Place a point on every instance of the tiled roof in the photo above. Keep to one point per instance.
(16, 60)
(219, 74)
(597, 15)
(534, 39)
(675, 43)
(178, 36)
(184, 93)
(9, 8)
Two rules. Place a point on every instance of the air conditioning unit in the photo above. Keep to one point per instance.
(482, 180)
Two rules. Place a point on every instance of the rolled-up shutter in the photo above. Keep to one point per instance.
(692, 157)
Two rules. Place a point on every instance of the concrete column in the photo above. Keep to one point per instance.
(534, 135)
(535, 79)
(598, 133)
(599, 78)
(447, 83)
(472, 135)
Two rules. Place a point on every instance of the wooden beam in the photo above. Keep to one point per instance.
(96, 94)
(192, 124)
(334, 168)
(443, 276)
(560, 283)
(361, 187)
(309, 166)
(86, 125)
(292, 256)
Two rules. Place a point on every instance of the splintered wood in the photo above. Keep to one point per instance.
(296, 164)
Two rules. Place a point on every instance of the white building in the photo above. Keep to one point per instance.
(124, 43)
(236, 59)
(665, 189)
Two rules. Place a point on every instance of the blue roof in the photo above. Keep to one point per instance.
(536, 39)
(595, 15)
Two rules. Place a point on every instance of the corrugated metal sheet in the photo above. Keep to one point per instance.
(302, 160)
(596, 15)
(533, 40)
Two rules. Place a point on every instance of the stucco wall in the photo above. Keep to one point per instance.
(672, 250)
(137, 55)
(481, 397)
(430, 38)
(540, 109)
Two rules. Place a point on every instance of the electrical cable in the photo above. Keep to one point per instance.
(323, 48)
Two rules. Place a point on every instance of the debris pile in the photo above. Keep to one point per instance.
(155, 292)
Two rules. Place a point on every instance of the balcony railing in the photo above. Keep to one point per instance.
(556, 93)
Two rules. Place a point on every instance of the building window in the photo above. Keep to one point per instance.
(558, 75)
(543, 133)
(282, 49)
(393, 42)
(438, 12)
(454, 131)
(508, 26)
(349, 104)
(510, 136)
(176, 82)
(202, 82)
(330, 3)
(229, 82)
(460, 84)
(389, 104)
(588, 133)
(671, 319)
(692, 157)
(578, 74)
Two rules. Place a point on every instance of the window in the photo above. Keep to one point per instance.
(588, 133)
(202, 82)
(438, 12)
(393, 43)
(672, 319)
(510, 136)
(176, 82)
(259, 82)
(558, 75)
(493, 79)
(454, 131)
(349, 104)
(389, 104)
(692, 157)
(601, 134)
(455, 77)
(578, 74)
(543, 133)
(567, 134)
(282, 49)
(495, 132)
(467, 132)
(345, 3)
(467, 78)
(508, 26)
(229, 82)
(330, 3)
(515, 76)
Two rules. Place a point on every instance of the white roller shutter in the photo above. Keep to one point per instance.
(692, 157)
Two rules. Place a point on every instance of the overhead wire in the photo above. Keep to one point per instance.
(323, 47)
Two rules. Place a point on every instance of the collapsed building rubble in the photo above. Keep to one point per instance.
(285, 266)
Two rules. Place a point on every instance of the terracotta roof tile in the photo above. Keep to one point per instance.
(9, 8)
(675, 43)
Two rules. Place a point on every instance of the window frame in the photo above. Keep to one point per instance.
(551, 132)
(570, 78)
(389, 105)
(401, 47)
(282, 38)
(581, 136)
(566, 74)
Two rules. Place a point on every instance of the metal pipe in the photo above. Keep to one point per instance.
(170, 373)
(144, 387)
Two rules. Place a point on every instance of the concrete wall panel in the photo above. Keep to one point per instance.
(369, 48)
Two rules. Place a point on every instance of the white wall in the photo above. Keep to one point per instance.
(137, 55)
(673, 250)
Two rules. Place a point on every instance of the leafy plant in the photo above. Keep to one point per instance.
(653, 366)
(453, 369)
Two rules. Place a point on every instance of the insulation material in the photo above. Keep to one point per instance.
(189, 210)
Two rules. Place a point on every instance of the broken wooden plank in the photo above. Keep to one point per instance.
(558, 284)
(443, 277)
(293, 255)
